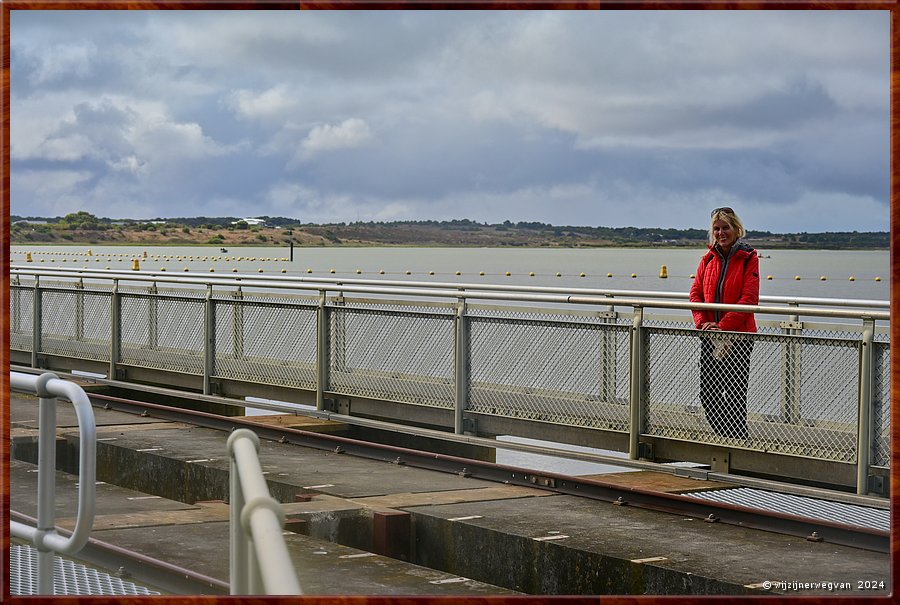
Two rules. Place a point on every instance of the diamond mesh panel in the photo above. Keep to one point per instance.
(881, 404)
(75, 323)
(21, 315)
(562, 372)
(69, 578)
(162, 332)
(787, 394)
(392, 355)
(266, 343)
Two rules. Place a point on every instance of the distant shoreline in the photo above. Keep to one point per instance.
(86, 230)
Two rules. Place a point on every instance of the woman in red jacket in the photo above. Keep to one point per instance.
(729, 274)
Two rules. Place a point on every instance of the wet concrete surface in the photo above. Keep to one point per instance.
(164, 486)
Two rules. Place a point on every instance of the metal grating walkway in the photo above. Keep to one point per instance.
(836, 512)
(69, 578)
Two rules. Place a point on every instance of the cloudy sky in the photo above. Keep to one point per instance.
(618, 118)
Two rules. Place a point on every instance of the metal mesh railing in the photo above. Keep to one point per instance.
(75, 323)
(552, 371)
(792, 388)
(162, 332)
(788, 394)
(21, 317)
(266, 343)
(881, 405)
(394, 355)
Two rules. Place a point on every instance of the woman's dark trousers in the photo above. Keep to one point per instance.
(723, 386)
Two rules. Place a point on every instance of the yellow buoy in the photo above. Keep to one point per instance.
(234, 270)
(309, 270)
(634, 275)
(408, 272)
(431, 273)
(135, 265)
(458, 273)
(823, 278)
(28, 257)
(531, 274)
(359, 271)
(508, 274)
(331, 271)
(185, 268)
(581, 275)
(162, 268)
(558, 274)
(481, 273)
(663, 272)
(797, 277)
(769, 277)
(609, 275)
(381, 272)
(877, 279)
(90, 253)
(284, 270)
(260, 270)
(692, 276)
(852, 278)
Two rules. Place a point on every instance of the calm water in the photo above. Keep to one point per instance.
(442, 264)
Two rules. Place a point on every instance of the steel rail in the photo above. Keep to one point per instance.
(812, 529)
(543, 450)
(546, 298)
(142, 568)
(464, 286)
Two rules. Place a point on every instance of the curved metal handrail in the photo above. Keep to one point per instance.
(48, 387)
(259, 560)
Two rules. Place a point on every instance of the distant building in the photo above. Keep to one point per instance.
(250, 221)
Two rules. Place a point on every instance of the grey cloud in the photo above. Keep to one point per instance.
(556, 116)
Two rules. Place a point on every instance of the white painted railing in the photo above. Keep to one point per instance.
(260, 562)
(44, 537)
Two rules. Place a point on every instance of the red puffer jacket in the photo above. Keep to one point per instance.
(739, 286)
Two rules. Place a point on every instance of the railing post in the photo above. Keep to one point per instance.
(636, 415)
(115, 328)
(153, 319)
(461, 357)
(608, 356)
(864, 437)
(322, 319)
(46, 504)
(36, 322)
(791, 371)
(338, 336)
(209, 340)
(239, 546)
(79, 310)
(237, 325)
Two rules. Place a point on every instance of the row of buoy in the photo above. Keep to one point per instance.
(663, 271)
(30, 258)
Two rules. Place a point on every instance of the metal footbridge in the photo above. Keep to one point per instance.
(616, 370)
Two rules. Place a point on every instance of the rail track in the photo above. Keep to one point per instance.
(713, 512)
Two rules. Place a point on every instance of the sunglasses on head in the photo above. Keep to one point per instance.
(724, 210)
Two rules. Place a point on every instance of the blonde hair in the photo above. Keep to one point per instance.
(730, 217)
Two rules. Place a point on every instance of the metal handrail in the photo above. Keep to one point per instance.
(456, 292)
(464, 286)
(259, 562)
(48, 387)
